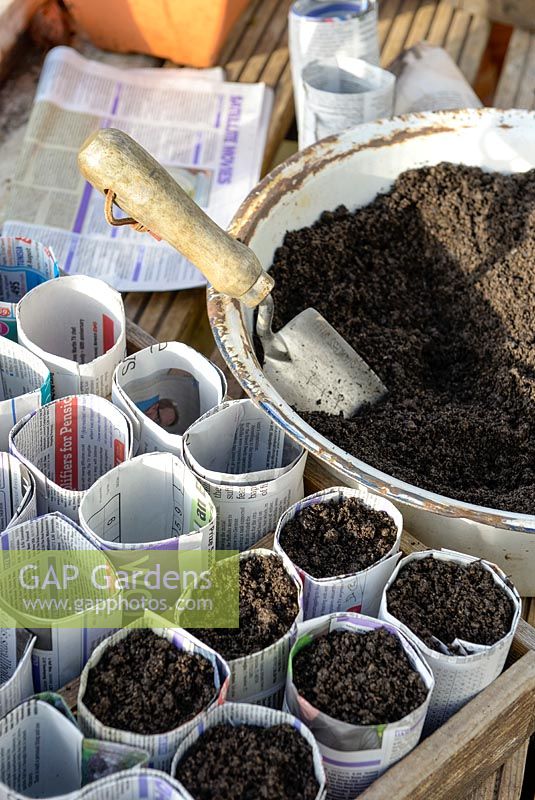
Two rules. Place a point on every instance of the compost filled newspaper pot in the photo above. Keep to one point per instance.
(87, 338)
(355, 755)
(360, 591)
(252, 476)
(138, 784)
(44, 754)
(163, 389)
(67, 445)
(458, 678)
(46, 587)
(233, 714)
(23, 264)
(16, 681)
(152, 501)
(160, 746)
(24, 386)
(18, 500)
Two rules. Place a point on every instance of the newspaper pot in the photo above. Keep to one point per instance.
(355, 755)
(26, 386)
(139, 784)
(458, 678)
(19, 504)
(359, 591)
(16, 680)
(149, 502)
(188, 32)
(67, 445)
(254, 473)
(162, 390)
(352, 168)
(162, 746)
(246, 714)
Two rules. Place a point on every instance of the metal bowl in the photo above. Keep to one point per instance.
(352, 168)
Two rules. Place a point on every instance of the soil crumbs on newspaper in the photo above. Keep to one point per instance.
(144, 684)
(360, 678)
(246, 761)
(338, 538)
(433, 285)
(446, 601)
(268, 604)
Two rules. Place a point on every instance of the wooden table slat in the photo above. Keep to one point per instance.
(440, 25)
(395, 41)
(513, 70)
(474, 47)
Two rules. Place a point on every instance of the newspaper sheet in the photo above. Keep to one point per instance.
(152, 501)
(355, 755)
(246, 714)
(16, 682)
(162, 390)
(25, 385)
(252, 476)
(360, 591)
(149, 784)
(88, 337)
(67, 445)
(458, 678)
(208, 134)
(18, 501)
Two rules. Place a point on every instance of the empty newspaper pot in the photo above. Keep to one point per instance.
(16, 680)
(351, 169)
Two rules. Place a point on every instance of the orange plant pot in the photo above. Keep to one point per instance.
(189, 32)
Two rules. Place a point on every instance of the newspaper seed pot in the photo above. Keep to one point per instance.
(283, 759)
(44, 754)
(253, 475)
(462, 613)
(363, 690)
(77, 326)
(139, 784)
(270, 606)
(152, 501)
(23, 264)
(61, 648)
(16, 682)
(163, 389)
(345, 545)
(149, 694)
(24, 386)
(19, 503)
(67, 445)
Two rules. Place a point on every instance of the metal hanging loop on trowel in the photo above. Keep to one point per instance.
(307, 361)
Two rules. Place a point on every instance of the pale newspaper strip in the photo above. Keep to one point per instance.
(25, 385)
(149, 502)
(161, 747)
(429, 80)
(76, 325)
(360, 591)
(59, 653)
(342, 92)
(233, 714)
(18, 501)
(458, 678)
(253, 475)
(67, 445)
(209, 134)
(16, 681)
(139, 784)
(23, 265)
(172, 376)
(313, 36)
(355, 755)
(42, 752)
(260, 677)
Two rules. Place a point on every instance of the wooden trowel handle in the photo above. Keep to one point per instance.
(112, 161)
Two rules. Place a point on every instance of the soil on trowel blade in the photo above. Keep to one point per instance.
(433, 284)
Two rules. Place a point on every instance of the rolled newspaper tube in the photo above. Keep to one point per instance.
(233, 714)
(139, 784)
(355, 755)
(160, 746)
(44, 754)
(67, 445)
(23, 264)
(359, 591)
(458, 678)
(18, 500)
(253, 475)
(16, 682)
(25, 386)
(163, 389)
(63, 643)
(77, 326)
(152, 501)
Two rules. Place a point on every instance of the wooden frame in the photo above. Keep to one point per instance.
(518, 13)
